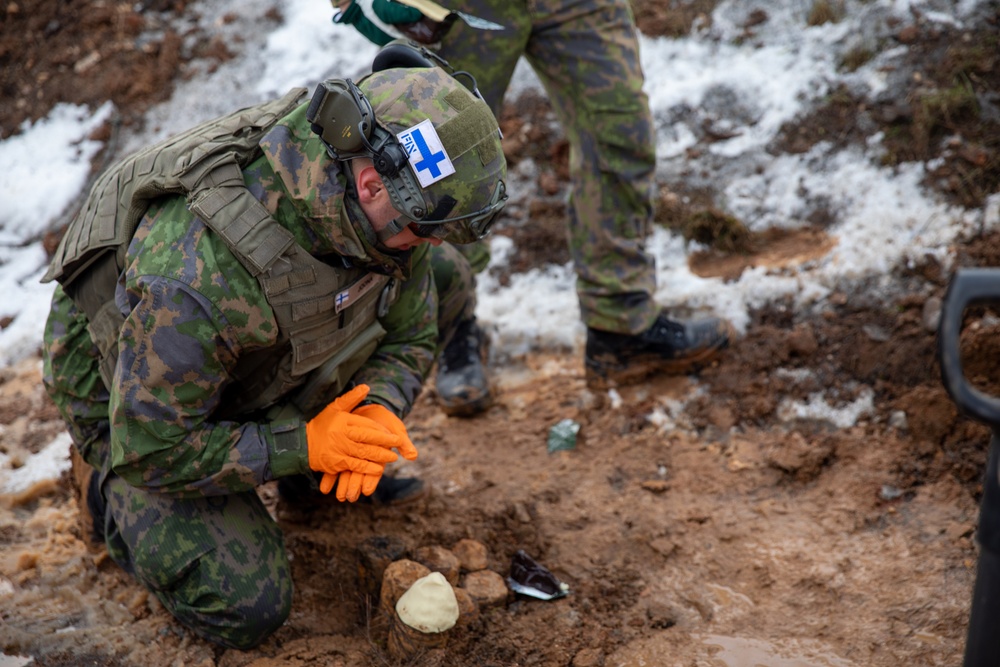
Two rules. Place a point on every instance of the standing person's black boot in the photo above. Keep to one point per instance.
(463, 387)
(668, 346)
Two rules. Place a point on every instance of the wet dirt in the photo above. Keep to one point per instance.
(707, 520)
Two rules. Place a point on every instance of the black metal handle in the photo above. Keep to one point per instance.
(981, 648)
(967, 287)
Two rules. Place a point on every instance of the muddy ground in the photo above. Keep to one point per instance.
(698, 521)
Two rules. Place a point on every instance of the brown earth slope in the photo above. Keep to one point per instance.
(726, 533)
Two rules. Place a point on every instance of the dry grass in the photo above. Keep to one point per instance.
(718, 230)
(824, 11)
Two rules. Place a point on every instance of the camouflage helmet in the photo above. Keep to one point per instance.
(453, 142)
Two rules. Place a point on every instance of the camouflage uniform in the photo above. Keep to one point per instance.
(586, 54)
(178, 467)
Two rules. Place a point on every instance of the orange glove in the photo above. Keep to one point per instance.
(339, 440)
(351, 485)
(354, 484)
(384, 416)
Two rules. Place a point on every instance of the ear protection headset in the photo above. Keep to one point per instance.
(341, 114)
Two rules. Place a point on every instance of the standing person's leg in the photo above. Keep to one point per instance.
(489, 55)
(586, 54)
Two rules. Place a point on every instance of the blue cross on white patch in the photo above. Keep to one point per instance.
(426, 153)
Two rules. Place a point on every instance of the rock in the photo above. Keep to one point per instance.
(930, 316)
(486, 587)
(908, 35)
(439, 559)
(663, 546)
(468, 609)
(799, 457)
(802, 341)
(656, 485)
(471, 554)
(589, 657)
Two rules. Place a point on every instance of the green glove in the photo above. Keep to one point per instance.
(354, 16)
(392, 12)
(388, 11)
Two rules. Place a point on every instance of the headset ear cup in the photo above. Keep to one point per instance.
(341, 114)
(399, 54)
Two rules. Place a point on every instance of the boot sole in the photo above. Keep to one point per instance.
(602, 377)
(468, 409)
(405, 500)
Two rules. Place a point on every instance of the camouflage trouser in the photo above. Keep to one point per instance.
(586, 54)
(456, 286)
(217, 563)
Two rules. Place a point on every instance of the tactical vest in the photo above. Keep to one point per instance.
(327, 316)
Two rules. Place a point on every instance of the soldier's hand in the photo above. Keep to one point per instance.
(411, 22)
(340, 441)
(382, 415)
(352, 485)
(391, 13)
(394, 13)
(353, 482)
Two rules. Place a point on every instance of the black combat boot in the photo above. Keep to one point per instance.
(301, 493)
(669, 346)
(463, 388)
(397, 490)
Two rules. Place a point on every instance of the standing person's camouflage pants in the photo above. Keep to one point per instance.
(586, 54)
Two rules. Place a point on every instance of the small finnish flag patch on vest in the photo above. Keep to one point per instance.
(428, 159)
(353, 293)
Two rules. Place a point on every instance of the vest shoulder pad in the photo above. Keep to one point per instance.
(186, 164)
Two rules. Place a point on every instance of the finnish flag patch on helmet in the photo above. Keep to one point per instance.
(427, 155)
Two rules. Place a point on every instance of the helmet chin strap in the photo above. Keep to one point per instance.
(394, 227)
